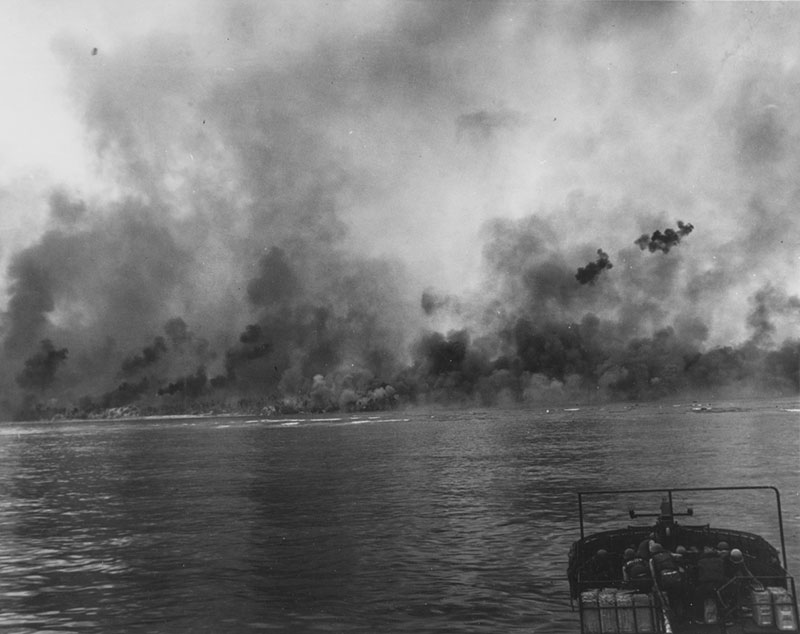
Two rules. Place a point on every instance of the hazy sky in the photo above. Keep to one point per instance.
(152, 152)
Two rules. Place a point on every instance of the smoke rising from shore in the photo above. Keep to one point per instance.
(275, 207)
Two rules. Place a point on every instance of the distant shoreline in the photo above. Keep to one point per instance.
(710, 407)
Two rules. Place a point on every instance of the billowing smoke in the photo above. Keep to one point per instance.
(40, 369)
(275, 283)
(31, 299)
(149, 355)
(587, 274)
(191, 385)
(268, 210)
(769, 304)
(663, 242)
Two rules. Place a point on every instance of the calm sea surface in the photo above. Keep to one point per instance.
(397, 522)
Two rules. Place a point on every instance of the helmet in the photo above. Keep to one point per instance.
(723, 546)
(680, 550)
(602, 553)
(629, 553)
(655, 547)
(736, 556)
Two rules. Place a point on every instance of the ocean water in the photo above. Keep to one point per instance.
(438, 521)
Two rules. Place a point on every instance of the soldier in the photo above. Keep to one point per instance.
(635, 572)
(668, 576)
(710, 577)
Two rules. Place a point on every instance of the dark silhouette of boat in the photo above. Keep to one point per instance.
(719, 579)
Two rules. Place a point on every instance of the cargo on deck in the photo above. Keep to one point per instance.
(702, 578)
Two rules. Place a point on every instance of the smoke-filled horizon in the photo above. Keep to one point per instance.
(446, 200)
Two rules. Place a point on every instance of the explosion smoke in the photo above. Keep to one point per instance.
(663, 241)
(40, 369)
(150, 355)
(191, 385)
(769, 303)
(292, 197)
(31, 299)
(587, 274)
(276, 282)
(124, 394)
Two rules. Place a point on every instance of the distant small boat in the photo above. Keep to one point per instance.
(753, 591)
(715, 409)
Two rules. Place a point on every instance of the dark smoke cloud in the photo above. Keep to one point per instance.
(113, 278)
(783, 366)
(531, 273)
(150, 355)
(178, 332)
(31, 289)
(252, 347)
(276, 283)
(769, 303)
(124, 394)
(663, 242)
(274, 207)
(192, 385)
(443, 355)
(40, 369)
(588, 274)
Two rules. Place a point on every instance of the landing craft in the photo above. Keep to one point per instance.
(670, 577)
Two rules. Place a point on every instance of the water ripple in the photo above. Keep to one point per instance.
(441, 522)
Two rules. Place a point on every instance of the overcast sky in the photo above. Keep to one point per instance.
(151, 152)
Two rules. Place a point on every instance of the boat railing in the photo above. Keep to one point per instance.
(669, 492)
(761, 593)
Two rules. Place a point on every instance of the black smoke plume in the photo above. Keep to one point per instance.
(769, 303)
(276, 282)
(442, 355)
(588, 274)
(177, 332)
(149, 356)
(252, 173)
(663, 241)
(124, 394)
(31, 289)
(192, 385)
(40, 369)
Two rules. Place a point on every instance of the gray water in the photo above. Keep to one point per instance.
(397, 522)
